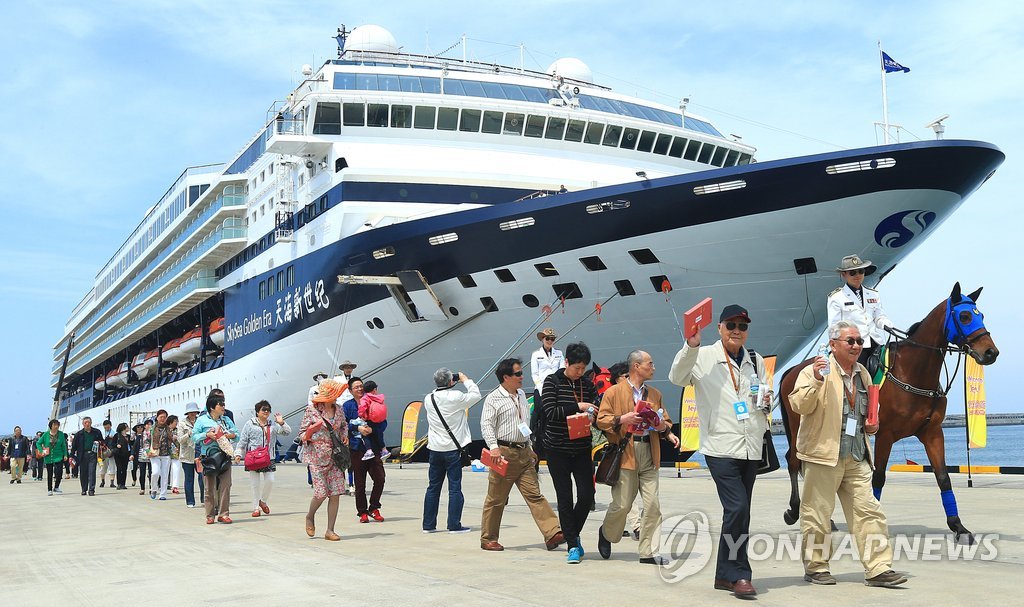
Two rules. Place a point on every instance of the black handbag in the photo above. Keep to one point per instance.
(340, 453)
(464, 457)
(611, 463)
(215, 462)
(769, 458)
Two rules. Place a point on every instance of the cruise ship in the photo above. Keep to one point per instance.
(408, 212)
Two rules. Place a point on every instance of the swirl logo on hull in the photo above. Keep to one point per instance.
(898, 229)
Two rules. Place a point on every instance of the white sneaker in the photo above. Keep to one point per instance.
(368, 455)
(58, 491)
(49, 493)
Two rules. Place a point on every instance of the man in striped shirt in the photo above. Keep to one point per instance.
(504, 426)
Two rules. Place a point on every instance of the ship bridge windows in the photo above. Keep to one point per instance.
(718, 159)
(388, 82)
(354, 114)
(401, 116)
(646, 142)
(492, 123)
(575, 129)
(424, 117)
(612, 135)
(447, 118)
(513, 123)
(595, 130)
(691, 150)
(629, 138)
(452, 87)
(493, 90)
(661, 146)
(678, 145)
(376, 114)
(705, 153)
(534, 126)
(556, 128)
(470, 121)
(327, 120)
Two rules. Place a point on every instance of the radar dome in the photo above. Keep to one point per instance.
(371, 39)
(570, 67)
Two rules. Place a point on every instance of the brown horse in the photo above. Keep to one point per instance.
(912, 401)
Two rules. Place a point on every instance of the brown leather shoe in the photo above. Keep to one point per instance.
(743, 588)
(492, 546)
(556, 540)
(721, 584)
(224, 519)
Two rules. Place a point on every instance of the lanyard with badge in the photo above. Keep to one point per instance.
(740, 407)
(851, 420)
(524, 428)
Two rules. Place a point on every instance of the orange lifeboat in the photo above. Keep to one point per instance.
(217, 332)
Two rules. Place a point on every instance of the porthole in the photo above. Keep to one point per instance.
(369, 324)
(404, 193)
(378, 322)
(453, 310)
(530, 301)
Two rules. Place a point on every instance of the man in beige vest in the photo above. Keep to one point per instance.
(831, 398)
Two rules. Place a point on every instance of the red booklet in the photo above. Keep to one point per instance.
(696, 318)
(648, 415)
(485, 457)
(873, 405)
(579, 425)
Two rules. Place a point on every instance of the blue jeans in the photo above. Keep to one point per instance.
(190, 479)
(444, 463)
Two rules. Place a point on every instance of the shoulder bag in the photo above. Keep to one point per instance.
(769, 458)
(464, 457)
(340, 454)
(611, 463)
(258, 460)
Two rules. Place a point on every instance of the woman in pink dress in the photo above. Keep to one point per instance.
(328, 480)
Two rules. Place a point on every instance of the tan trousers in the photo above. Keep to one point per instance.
(851, 480)
(17, 467)
(645, 480)
(523, 475)
(218, 493)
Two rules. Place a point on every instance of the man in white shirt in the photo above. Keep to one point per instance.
(860, 305)
(447, 435)
(504, 425)
(545, 360)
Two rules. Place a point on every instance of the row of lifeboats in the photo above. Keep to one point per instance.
(181, 350)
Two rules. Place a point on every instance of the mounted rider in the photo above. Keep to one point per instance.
(853, 302)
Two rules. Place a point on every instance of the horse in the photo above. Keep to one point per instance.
(912, 401)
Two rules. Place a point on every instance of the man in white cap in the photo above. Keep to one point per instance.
(860, 305)
(348, 369)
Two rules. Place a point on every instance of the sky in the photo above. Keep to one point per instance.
(107, 103)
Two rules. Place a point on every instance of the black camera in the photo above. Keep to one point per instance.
(455, 376)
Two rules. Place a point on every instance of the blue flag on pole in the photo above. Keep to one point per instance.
(889, 64)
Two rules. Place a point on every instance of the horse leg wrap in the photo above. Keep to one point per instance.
(949, 502)
(878, 494)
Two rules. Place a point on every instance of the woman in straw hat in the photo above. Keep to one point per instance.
(328, 479)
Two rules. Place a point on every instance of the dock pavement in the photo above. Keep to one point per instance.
(120, 547)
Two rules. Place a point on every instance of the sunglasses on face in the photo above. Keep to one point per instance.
(518, 373)
(732, 326)
(855, 272)
(853, 340)
(549, 339)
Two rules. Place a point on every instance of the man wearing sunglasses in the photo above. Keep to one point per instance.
(504, 425)
(858, 304)
(731, 433)
(835, 453)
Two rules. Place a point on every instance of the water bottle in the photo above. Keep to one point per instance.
(755, 392)
(823, 354)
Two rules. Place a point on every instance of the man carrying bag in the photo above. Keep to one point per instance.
(447, 432)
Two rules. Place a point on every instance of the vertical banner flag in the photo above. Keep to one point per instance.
(689, 428)
(890, 65)
(769, 376)
(410, 420)
(977, 425)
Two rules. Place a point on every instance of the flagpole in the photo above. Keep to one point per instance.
(885, 101)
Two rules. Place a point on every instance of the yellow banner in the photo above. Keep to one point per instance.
(769, 376)
(689, 427)
(410, 420)
(977, 425)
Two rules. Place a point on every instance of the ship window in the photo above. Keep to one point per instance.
(345, 82)
(383, 253)
(410, 84)
(327, 121)
(401, 116)
(594, 132)
(719, 158)
(514, 124)
(574, 132)
(624, 288)
(535, 94)
(593, 264)
(430, 85)
(678, 145)
(534, 126)
(530, 301)
(568, 290)
(629, 137)
(424, 117)
(339, 164)
(692, 149)
(513, 92)
(659, 282)
(646, 141)
(492, 123)
(611, 135)
(376, 114)
(467, 281)
(447, 118)
(473, 88)
(280, 281)
(366, 82)
(453, 87)
(470, 122)
(661, 147)
(705, 153)
(270, 286)
(263, 291)
(744, 159)
(644, 256)
(731, 159)
(443, 238)
(489, 305)
(505, 275)
(291, 276)
(556, 128)
(492, 90)
(387, 82)
(354, 114)
(546, 269)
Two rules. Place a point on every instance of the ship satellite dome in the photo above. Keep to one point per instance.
(572, 68)
(307, 69)
(371, 39)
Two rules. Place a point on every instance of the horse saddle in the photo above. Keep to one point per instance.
(874, 364)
